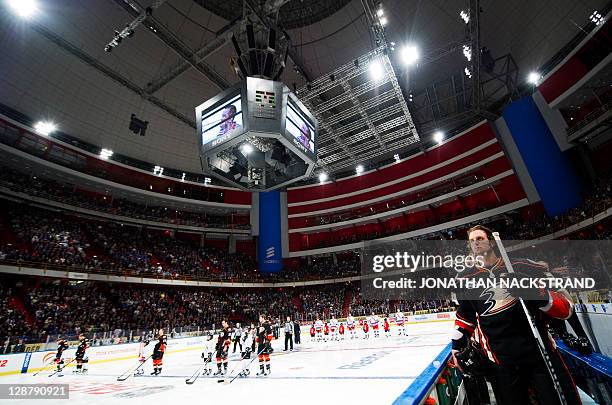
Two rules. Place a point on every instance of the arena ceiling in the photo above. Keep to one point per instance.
(54, 65)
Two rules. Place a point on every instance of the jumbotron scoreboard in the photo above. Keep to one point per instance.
(257, 136)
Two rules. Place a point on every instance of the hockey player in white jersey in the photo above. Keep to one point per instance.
(333, 328)
(399, 321)
(350, 325)
(207, 353)
(374, 323)
(319, 329)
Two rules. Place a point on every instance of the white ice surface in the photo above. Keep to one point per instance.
(373, 371)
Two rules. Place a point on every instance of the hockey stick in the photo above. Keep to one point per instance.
(226, 381)
(195, 375)
(62, 368)
(132, 370)
(532, 325)
(44, 368)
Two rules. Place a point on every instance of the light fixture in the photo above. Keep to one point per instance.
(377, 71)
(23, 8)
(45, 127)
(410, 54)
(158, 170)
(323, 177)
(464, 16)
(383, 21)
(106, 153)
(183, 177)
(467, 52)
(246, 149)
(534, 77)
(396, 157)
(596, 18)
(359, 169)
(468, 72)
(380, 12)
(438, 136)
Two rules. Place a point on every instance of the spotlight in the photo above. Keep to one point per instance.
(246, 149)
(23, 8)
(323, 177)
(377, 71)
(464, 16)
(359, 169)
(410, 54)
(468, 72)
(438, 136)
(106, 153)
(534, 78)
(380, 12)
(383, 21)
(596, 18)
(45, 127)
(467, 52)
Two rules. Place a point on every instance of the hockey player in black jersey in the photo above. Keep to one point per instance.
(264, 345)
(80, 357)
(61, 346)
(223, 344)
(508, 353)
(158, 353)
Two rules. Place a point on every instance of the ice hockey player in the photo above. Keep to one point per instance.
(223, 343)
(247, 340)
(399, 321)
(144, 341)
(386, 328)
(81, 358)
(236, 337)
(319, 329)
(264, 343)
(350, 325)
(366, 329)
(312, 332)
(374, 321)
(341, 330)
(326, 332)
(61, 346)
(507, 352)
(333, 328)
(158, 352)
(207, 353)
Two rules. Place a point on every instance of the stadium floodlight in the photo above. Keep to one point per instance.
(464, 16)
(45, 127)
(323, 177)
(410, 54)
(596, 18)
(534, 78)
(359, 169)
(438, 136)
(158, 170)
(467, 52)
(468, 73)
(377, 71)
(246, 149)
(106, 153)
(23, 8)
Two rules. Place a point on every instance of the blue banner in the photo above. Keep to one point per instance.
(270, 251)
(26, 362)
(550, 169)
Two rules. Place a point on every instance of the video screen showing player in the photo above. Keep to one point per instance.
(223, 121)
(301, 129)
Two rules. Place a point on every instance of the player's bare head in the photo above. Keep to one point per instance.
(262, 318)
(224, 323)
(288, 318)
(480, 240)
